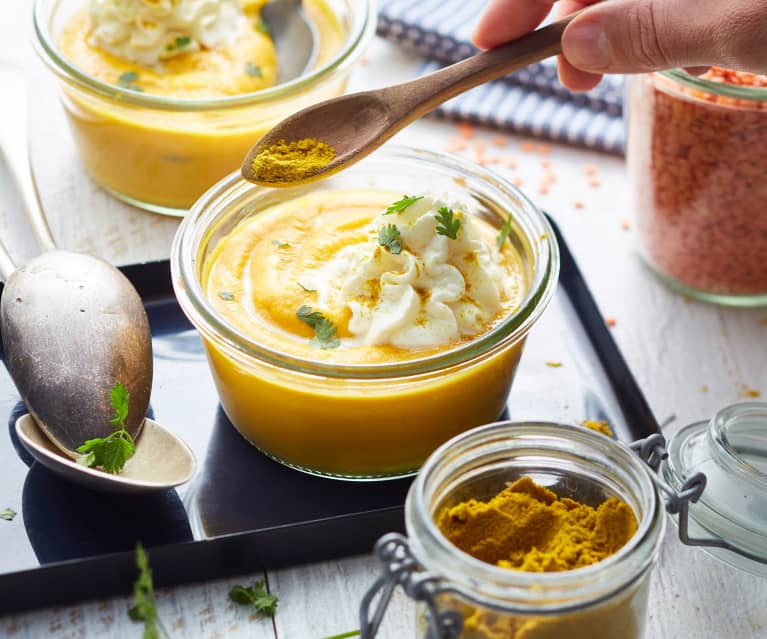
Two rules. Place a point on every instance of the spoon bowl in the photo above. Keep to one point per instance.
(294, 37)
(356, 124)
(72, 327)
(162, 461)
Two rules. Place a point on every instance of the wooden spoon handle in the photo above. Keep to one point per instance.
(418, 97)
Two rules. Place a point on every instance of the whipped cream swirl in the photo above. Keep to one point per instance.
(434, 292)
(145, 32)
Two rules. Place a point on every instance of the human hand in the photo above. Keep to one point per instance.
(633, 36)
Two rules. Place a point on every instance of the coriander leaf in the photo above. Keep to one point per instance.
(182, 42)
(128, 81)
(281, 244)
(388, 236)
(8, 514)
(227, 296)
(256, 596)
(253, 70)
(143, 593)
(345, 635)
(129, 77)
(262, 27)
(324, 330)
(112, 452)
(505, 230)
(119, 397)
(401, 205)
(448, 225)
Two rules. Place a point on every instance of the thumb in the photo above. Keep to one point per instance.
(631, 36)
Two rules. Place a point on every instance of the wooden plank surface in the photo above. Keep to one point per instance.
(690, 359)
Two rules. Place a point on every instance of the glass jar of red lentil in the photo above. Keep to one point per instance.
(697, 157)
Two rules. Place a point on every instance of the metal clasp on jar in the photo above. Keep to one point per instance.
(652, 450)
(400, 568)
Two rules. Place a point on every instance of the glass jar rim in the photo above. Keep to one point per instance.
(191, 296)
(500, 584)
(689, 81)
(49, 53)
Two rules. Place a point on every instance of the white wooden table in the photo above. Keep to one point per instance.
(689, 358)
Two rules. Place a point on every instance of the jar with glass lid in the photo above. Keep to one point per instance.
(697, 157)
(712, 477)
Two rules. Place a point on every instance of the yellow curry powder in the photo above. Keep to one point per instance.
(292, 161)
(599, 427)
(527, 527)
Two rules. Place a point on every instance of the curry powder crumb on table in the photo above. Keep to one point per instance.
(292, 161)
(526, 527)
(599, 427)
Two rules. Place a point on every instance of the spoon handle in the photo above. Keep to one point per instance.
(13, 144)
(418, 97)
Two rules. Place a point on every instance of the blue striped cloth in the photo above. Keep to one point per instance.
(530, 101)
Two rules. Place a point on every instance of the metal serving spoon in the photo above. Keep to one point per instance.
(294, 36)
(72, 324)
(357, 124)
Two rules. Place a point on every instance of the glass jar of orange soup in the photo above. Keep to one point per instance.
(325, 403)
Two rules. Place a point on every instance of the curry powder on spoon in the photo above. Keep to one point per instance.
(292, 161)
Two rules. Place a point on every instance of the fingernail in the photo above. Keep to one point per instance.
(585, 46)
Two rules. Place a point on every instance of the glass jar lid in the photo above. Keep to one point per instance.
(731, 451)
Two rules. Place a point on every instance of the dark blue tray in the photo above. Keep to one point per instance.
(244, 512)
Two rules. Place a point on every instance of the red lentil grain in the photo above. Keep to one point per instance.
(511, 162)
(625, 225)
(578, 204)
(466, 130)
(698, 161)
(527, 147)
(590, 170)
(500, 141)
(611, 321)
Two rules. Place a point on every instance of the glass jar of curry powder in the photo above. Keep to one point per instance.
(697, 160)
(468, 598)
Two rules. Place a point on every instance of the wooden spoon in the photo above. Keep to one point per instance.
(357, 124)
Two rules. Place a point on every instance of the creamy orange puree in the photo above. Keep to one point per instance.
(169, 157)
(338, 426)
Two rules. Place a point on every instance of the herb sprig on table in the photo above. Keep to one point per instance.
(256, 596)
(325, 332)
(111, 452)
(8, 514)
(145, 608)
(388, 236)
(404, 203)
(345, 635)
(448, 224)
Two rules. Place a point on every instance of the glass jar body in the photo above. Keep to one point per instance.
(602, 601)
(364, 421)
(697, 154)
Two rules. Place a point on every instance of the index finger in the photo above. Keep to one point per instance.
(505, 20)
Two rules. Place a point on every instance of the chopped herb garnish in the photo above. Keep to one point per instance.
(262, 27)
(112, 452)
(308, 289)
(448, 224)
(345, 635)
(8, 514)
(504, 234)
(128, 81)
(256, 596)
(281, 244)
(145, 608)
(227, 296)
(388, 236)
(179, 43)
(401, 205)
(254, 70)
(323, 328)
